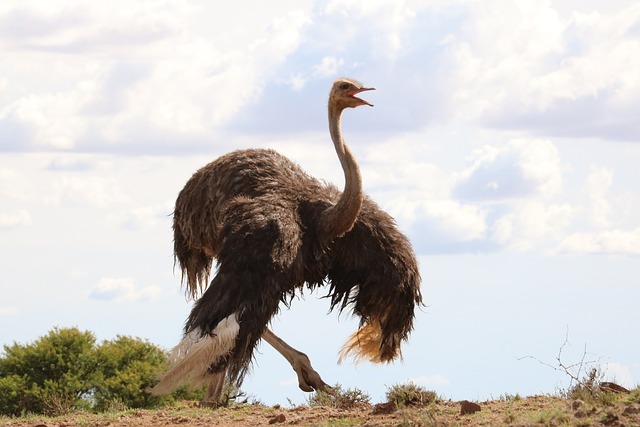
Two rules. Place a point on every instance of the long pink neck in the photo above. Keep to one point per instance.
(339, 218)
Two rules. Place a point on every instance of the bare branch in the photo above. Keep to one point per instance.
(582, 373)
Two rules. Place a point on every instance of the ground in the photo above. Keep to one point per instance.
(618, 410)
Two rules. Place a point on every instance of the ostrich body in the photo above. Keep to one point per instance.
(274, 229)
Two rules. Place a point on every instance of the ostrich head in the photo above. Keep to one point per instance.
(343, 94)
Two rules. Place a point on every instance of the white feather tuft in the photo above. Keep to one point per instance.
(191, 358)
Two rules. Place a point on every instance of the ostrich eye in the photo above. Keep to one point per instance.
(344, 86)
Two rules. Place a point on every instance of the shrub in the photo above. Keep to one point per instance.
(128, 368)
(65, 371)
(410, 394)
(12, 391)
(336, 397)
(53, 375)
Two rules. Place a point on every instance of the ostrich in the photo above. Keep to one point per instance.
(274, 229)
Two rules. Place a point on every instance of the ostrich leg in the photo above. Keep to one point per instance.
(214, 391)
(308, 379)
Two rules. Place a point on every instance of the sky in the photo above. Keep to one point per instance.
(504, 140)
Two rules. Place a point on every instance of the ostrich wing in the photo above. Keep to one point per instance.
(375, 271)
(258, 262)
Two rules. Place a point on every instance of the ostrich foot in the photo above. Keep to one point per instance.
(308, 379)
(214, 392)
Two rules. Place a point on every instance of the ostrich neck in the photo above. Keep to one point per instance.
(339, 218)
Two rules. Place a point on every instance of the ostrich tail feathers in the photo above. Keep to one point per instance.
(190, 360)
(364, 344)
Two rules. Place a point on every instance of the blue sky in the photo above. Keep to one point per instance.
(504, 140)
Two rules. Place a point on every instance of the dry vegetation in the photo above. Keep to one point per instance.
(407, 405)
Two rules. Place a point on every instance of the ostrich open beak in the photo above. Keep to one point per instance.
(352, 94)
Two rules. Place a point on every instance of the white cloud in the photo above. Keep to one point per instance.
(54, 117)
(328, 67)
(613, 241)
(400, 163)
(459, 221)
(144, 216)
(122, 290)
(297, 82)
(598, 183)
(115, 85)
(532, 224)
(13, 186)
(521, 65)
(387, 22)
(92, 189)
(72, 25)
(441, 225)
(519, 169)
(21, 218)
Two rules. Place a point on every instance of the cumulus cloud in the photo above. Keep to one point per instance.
(532, 224)
(15, 185)
(611, 242)
(144, 216)
(70, 163)
(388, 22)
(402, 162)
(399, 53)
(94, 190)
(49, 120)
(116, 86)
(73, 26)
(170, 78)
(519, 169)
(523, 65)
(442, 226)
(18, 219)
(122, 290)
(598, 183)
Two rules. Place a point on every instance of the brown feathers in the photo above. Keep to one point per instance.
(263, 231)
(274, 229)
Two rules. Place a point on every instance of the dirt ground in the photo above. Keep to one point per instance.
(516, 411)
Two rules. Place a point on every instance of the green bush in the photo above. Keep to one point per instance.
(127, 367)
(12, 394)
(65, 370)
(54, 375)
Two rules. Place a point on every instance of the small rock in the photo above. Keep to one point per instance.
(280, 418)
(609, 386)
(609, 419)
(631, 410)
(383, 408)
(467, 407)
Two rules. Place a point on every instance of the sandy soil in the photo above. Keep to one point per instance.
(530, 411)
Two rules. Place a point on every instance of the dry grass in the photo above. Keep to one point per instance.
(599, 409)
